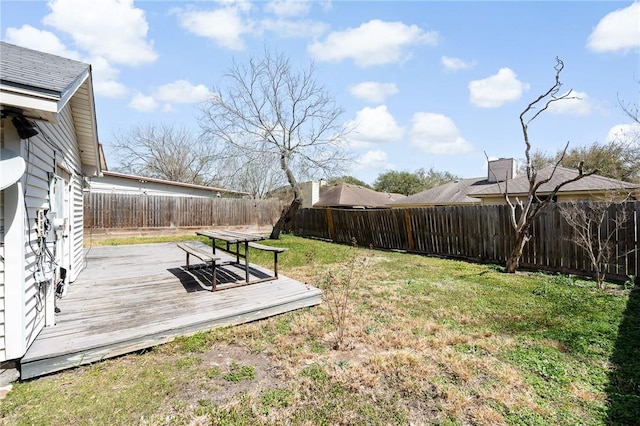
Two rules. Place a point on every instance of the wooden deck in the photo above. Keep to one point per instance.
(135, 297)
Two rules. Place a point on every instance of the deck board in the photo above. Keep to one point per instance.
(134, 297)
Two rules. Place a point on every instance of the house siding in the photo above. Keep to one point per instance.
(121, 185)
(3, 355)
(65, 137)
(31, 302)
(40, 160)
(76, 232)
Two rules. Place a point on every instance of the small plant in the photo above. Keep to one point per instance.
(560, 279)
(213, 372)
(314, 372)
(338, 285)
(188, 361)
(239, 372)
(198, 342)
(342, 364)
(596, 227)
(630, 282)
(370, 329)
(275, 398)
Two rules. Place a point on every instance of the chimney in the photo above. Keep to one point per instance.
(501, 170)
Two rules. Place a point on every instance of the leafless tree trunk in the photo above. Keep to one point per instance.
(595, 232)
(524, 212)
(268, 108)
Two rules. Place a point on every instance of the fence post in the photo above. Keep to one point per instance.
(407, 219)
(330, 225)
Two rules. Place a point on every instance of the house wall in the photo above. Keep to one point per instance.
(69, 166)
(2, 343)
(121, 185)
(563, 198)
(29, 301)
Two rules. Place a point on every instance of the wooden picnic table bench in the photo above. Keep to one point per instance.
(205, 256)
(274, 250)
(235, 238)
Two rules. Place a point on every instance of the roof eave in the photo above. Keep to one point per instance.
(35, 105)
(81, 92)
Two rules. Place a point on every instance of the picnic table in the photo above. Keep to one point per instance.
(234, 238)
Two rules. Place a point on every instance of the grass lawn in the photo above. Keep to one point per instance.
(423, 341)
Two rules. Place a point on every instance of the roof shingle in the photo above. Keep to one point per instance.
(38, 71)
(520, 184)
(347, 195)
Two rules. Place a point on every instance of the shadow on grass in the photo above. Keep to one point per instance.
(623, 390)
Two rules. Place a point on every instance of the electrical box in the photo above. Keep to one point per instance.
(56, 195)
(41, 222)
(56, 202)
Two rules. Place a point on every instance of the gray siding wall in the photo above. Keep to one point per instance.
(77, 223)
(3, 354)
(65, 137)
(40, 162)
(55, 147)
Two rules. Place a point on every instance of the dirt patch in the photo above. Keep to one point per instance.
(217, 375)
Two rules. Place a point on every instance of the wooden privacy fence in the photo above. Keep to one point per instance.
(481, 233)
(130, 211)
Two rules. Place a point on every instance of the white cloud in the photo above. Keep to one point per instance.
(143, 103)
(578, 103)
(372, 43)
(113, 29)
(181, 91)
(105, 79)
(288, 8)
(437, 134)
(287, 28)
(225, 26)
(373, 160)
(496, 90)
(628, 133)
(44, 41)
(228, 25)
(110, 88)
(374, 125)
(373, 91)
(455, 64)
(617, 31)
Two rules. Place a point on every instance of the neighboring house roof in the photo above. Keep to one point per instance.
(450, 193)
(40, 85)
(347, 195)
(589, 184)
(168, 182)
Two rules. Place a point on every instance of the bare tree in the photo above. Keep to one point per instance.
(255, 174)
(164, 152)
(631, 110)
(596, 232)
(524, 212)
(268, 108)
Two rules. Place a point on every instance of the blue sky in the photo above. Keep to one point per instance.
(426, 84)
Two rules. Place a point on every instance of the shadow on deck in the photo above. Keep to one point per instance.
(134, 297)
